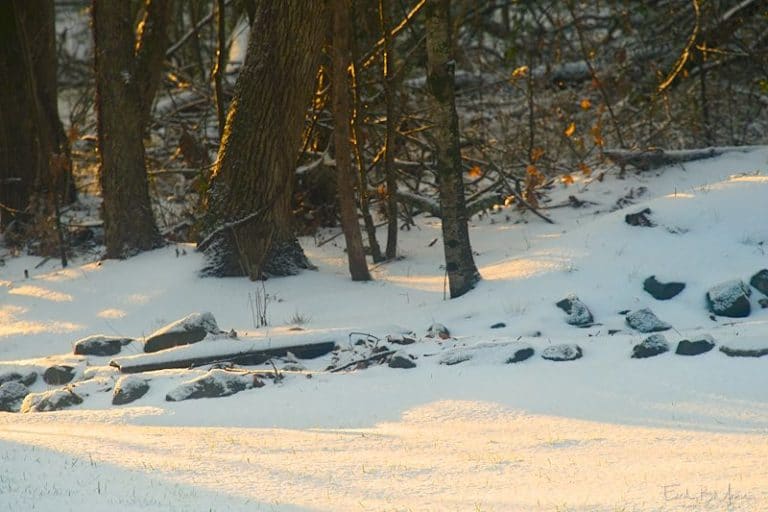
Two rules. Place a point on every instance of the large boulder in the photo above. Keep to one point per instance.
(12, 394)
(52, 400)
(760, 281)
(695, 347)
(100, 345)
(59, 374)
(651, 346)
(644, 320)
(190, 329)
(563, 352)
(214, 384)
(578, 313)
(730, 299)
(129, 389)
(662, 291)
(520, 355)
(28, 379)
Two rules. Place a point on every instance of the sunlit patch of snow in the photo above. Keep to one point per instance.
(10, 325)
(39, 292)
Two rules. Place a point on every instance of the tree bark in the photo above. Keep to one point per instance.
(129, 225)
(151, 44)
(342, 111)
(34, 150)
(389, 144)
(248, 228)
(459, 262)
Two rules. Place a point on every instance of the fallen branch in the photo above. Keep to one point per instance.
(654, 158)
(374, 357)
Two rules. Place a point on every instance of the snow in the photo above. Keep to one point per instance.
(604, 432)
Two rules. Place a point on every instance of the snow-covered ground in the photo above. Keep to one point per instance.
(604, 432)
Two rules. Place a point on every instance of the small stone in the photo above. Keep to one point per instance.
(53, 400)
(401, 361)
(12, 394)
(564, 352)
(695, 347)
(730, 299)
(662, 291)
(578, 313)
(651, 346)
(27, 379)
(58, 375)
(744, 352)
(401, 339)
(129, 389)
(640, 219)
(763, 303)
(760, 281)
(644, 320)
(520, 355)
(100, 345)
(498, 325)
(437, 330)
(190, 329)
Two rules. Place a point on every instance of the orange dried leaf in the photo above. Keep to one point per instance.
(475, 172)
(567, 179)
(585, 104)
(570, 130)
(519, 72)
(531, 170)
(536, 154)
(585, 169)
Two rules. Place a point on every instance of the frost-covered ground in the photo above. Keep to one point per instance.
(604, 432)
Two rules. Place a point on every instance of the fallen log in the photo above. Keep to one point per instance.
(653, 158)
(190, 356)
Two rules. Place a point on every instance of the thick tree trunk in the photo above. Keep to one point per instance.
(129, 225)
(34, 151)
(342, 111)
(248, 228)
(459, 263)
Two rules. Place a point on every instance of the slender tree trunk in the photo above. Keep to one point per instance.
(129, 224)
(248, 228)
(389, 144)
(459, 262)
(218, 68)
(34, 151)
(151, 44)
(342, 111)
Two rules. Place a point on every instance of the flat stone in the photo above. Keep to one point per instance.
(498, 325)
(129, 389)
(28, 379)
(52, 400)
(563, 352)
(651, 346)
(730, 299)
(400, 339)
(59, 374)
(100, 345)
(453, 358)
(190, 329)
(695, 347)
(662, 291)
(644, 320)
(401, 361)
(215, 383)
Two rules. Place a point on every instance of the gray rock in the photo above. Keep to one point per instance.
(52, 400)
(100, 345)
(59, 374)
(695, 347)
(763, 303)
(662, 291)
(744, 351)
(27, 379)
(644, 320)
(651, 346)
(214, 384)
(452, 358)
(401, 361)
(520, 355)
(129, 389)
(498, 325)
(730, 299)
(437, 330)
(12, 394)
(578, 313)
(190, 329)
(564, 352)
(760, 281)
(401, 339)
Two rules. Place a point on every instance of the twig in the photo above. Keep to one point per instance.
(374, 357)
